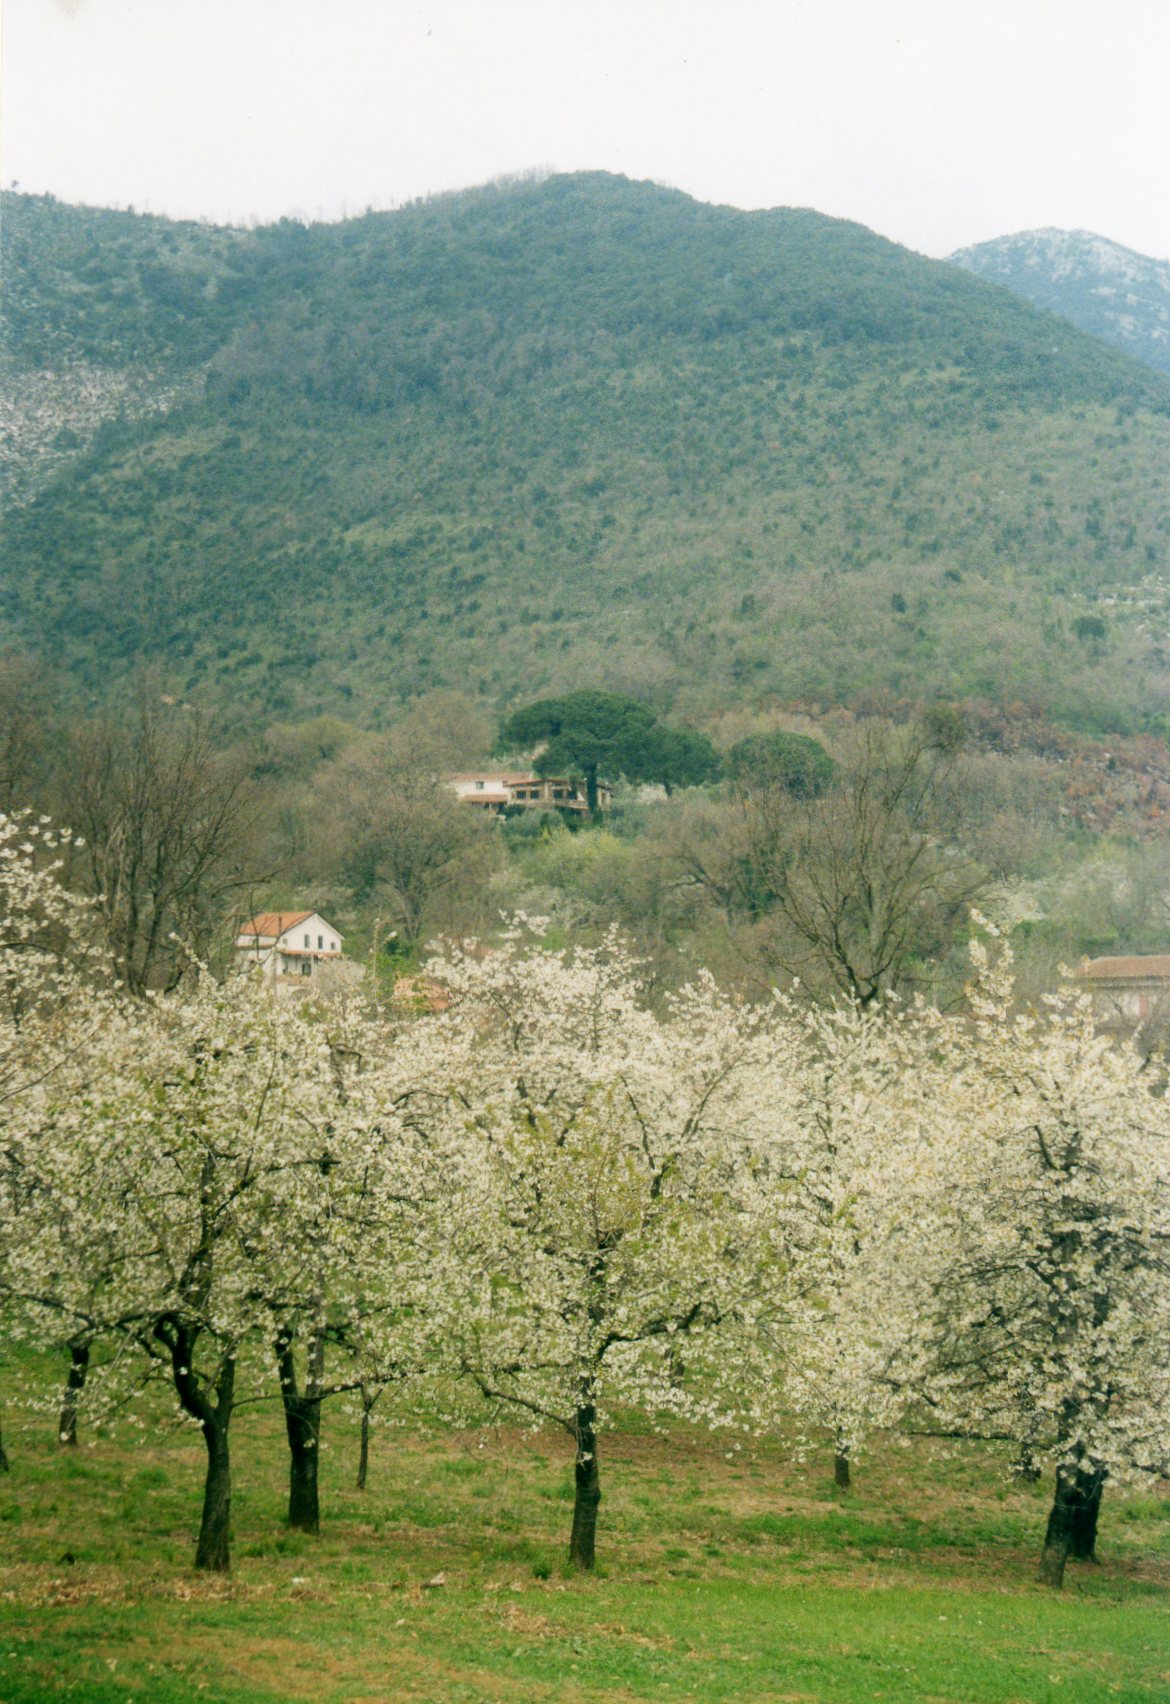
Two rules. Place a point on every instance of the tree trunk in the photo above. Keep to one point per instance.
(587, 1489)
(841, 1469)
(364, 1454)
(74, 1385)
(1086, 1514)
(3, 1456)
(1059, 1536)
(213, 1552)
(591, 790)
(302, 1421)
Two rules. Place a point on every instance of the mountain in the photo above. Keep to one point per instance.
(1099, 286)
(569, 432)
(104, 316)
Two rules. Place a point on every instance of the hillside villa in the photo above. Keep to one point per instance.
(1128, 990)
(498, 790)
(297, 950)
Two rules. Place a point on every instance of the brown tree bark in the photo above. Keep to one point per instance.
(1086, 1514)
(364, 1451)
(74, 1385)
(1058, 1538)
(841, 1470)
(302, 1421)
(214, 1413)
(213, 1552)
(587, 1488)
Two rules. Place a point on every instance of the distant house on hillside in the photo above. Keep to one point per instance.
(1128, 990)
(295, 949)
(497, 790)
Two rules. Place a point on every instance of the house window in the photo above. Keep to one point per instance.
(320, 943)
(308, 940)
(479, 786)
(306, 967)
(333, 946)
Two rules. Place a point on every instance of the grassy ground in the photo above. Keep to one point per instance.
(723, 1577)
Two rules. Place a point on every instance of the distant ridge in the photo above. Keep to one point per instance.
(1095, 284)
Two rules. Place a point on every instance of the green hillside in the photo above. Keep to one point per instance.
(579, 432)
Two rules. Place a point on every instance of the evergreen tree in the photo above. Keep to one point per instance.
(594, 733)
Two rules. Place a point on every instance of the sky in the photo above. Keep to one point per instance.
(939, 123)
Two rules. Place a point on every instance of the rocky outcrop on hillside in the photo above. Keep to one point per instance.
(1096, 284)
(48, 416)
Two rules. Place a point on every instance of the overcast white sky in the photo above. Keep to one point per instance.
(937, 122)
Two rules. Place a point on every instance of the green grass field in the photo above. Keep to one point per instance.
(723, 1576)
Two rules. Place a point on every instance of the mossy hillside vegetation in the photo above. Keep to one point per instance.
(110, 287)
(553, 434)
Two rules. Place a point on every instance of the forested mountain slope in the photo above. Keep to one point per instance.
(580, 431)
(1099, 286)
(103, 315)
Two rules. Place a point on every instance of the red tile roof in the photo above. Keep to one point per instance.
(275, 922)
(1136, 967)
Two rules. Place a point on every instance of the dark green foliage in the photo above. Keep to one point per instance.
(944, 727)
(800, 765)
(681, 758)
(110, 288)
(602, 734)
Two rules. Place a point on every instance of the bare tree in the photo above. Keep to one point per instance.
(167, 820)
(848, 891)
(397, 837)
(24, 731)
(871, 878)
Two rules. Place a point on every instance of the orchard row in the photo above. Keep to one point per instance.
(567, 1193)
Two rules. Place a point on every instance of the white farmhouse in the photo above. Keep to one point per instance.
(497, 790)
(295, 949)
(1134, 989)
